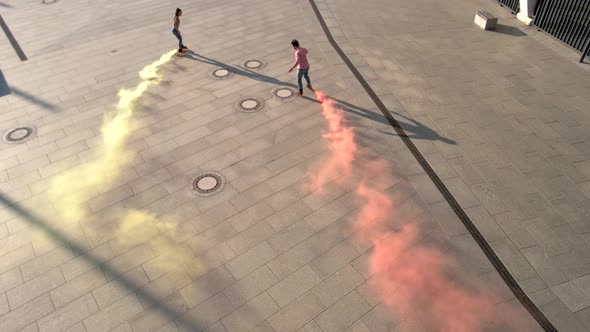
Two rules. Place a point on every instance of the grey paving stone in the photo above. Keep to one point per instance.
(338, 285)
(333, 319)
(114, 314)
(251, 260)
(69, 314)
(152, 319)
(26, 314)
(10, 279)
(207, 286)
(335, 258)
(327, 215)
(4, 306)
(544, 267)
(571, 296)
(250, 314)
(34, 288)
(289, 215)
(251, 236)
(297, 314)
(112, 291)
(77, 287)
(249, 217)
(207, 312)
(250, 286)
(294, 286)
(14, 258)
(46, 262)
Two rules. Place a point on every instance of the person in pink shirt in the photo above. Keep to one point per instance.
(302, 66)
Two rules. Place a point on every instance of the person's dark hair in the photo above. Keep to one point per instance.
(178, 10)
(295, 43)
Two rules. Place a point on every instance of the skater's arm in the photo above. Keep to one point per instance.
(296, 62)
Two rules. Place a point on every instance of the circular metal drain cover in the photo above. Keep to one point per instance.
(250, 105)
(254, 64)
(19, 135)
(48, 2)
(221, 73)
(208, 183)
(284, 93)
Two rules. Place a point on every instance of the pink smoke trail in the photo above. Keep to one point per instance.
(341, 144)
(411, 278)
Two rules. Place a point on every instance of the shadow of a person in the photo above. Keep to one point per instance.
(419, 130)
(237, 70)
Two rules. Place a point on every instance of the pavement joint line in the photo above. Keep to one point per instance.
(511, 282)
(19, 51)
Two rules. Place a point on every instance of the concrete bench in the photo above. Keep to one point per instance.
(486, 20)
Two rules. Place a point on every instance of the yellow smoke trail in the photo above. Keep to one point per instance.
(70, 191)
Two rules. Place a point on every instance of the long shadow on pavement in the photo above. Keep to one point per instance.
(25, 95)
(152, 300)
(418, 129)
(5, 90)
(238, 70)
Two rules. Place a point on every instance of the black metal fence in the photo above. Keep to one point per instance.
(567, 20)
(513, 5)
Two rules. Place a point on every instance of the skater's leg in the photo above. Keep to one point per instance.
(300, 74)
(307, 79)
(177, 34)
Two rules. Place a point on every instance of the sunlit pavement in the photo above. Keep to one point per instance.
(501, 118)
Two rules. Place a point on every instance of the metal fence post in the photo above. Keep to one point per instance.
(587, 48)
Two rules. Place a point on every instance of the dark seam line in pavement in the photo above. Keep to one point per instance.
(481, 241)
(13, 42)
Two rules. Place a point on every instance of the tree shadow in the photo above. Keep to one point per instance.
(152, 300)
(509, 30)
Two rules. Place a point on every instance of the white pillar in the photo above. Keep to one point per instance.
(526, 11)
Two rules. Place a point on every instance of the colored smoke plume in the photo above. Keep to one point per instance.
(71, 190)
(410, 277)
(341, 144)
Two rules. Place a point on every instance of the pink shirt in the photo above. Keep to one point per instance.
(301, 58)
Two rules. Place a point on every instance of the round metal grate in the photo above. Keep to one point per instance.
(18, 135)
(221, 73)
(284, 93)
(250, 105)
(208, 183)
(254, 64)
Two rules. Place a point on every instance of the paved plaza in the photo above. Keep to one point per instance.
(105, 230)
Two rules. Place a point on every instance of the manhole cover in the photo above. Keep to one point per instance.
(284, 93)
(254, 64)
(221, 73)
(208, 183)
(48, 2)
(18, 135)
(250, 105)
